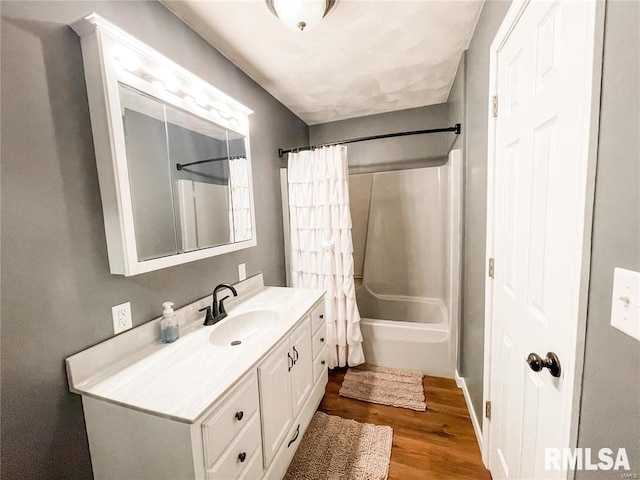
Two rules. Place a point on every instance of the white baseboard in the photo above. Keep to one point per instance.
(460, 382)
(472, 413)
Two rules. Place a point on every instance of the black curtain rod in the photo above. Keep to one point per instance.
(180, 166)
(455, 129)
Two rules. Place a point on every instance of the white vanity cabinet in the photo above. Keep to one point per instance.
(129, 444)
(301, 368)
(285, 382)
(318, 341)
(191, 410)
(287, 393)
(231, 435)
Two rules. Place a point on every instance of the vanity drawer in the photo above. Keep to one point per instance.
(240, 458)
(319, 364)
(317, 316)
(319, 341)
(290, 444)
(223, 425)
(254, 470)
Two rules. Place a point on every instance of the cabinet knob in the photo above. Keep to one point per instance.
(322, 339)
(321, 315)
(323, 362)
(239, 415)
(242, 456)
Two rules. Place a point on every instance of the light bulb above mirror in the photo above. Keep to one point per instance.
(301, 15)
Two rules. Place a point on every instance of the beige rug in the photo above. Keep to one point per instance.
(337, 449)
(386, 386)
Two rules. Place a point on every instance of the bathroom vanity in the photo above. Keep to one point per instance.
(201, 408)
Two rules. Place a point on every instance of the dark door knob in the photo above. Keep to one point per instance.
(551, 361)
(239, 415)
(242, 456)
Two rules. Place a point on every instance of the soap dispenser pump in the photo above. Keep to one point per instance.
(169, 331)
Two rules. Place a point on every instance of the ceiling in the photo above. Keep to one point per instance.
(365, 57)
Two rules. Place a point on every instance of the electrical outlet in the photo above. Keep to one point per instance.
(121, 315)
(242, 271)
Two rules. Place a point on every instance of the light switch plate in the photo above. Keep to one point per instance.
(625, 302)
(242, 272)
(121, 315)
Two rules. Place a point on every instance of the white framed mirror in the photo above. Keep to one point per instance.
(172, 152)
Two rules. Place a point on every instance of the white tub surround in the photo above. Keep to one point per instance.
(407, 249)
(199, 407)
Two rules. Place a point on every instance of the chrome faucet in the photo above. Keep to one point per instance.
(216, 312)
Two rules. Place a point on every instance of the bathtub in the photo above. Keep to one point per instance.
(407, 332)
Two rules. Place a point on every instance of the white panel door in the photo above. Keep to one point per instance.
(544, 78)
(302, 370)
(275, 399)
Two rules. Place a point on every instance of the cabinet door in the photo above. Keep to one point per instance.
(275, 399)
(302, 371)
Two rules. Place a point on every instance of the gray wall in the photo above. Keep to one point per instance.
(457, 103)
(471, 358)
(391, 153)
(57, 292)
(610, 413)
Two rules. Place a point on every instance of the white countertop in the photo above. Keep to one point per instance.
(181, 380)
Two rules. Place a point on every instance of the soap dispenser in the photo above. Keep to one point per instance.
(169, 331)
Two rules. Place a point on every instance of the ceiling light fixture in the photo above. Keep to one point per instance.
(300, 15)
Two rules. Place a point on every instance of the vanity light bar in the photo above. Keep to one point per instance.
(128, 61)
(133, 49)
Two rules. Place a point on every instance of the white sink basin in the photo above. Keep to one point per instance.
(243, 328)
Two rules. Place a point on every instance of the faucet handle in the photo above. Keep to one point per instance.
(221, 308)
(208, 318)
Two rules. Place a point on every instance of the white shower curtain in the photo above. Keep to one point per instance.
(321, 244)
(239, 200)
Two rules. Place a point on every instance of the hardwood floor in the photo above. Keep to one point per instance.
(437, 444)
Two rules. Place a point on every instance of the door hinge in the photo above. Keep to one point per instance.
(491, 267)
(487, 409)
(494, 105)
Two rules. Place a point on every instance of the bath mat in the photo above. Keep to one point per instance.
(386, 386)
(338, 449)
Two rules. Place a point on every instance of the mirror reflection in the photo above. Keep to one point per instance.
(189, 178)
